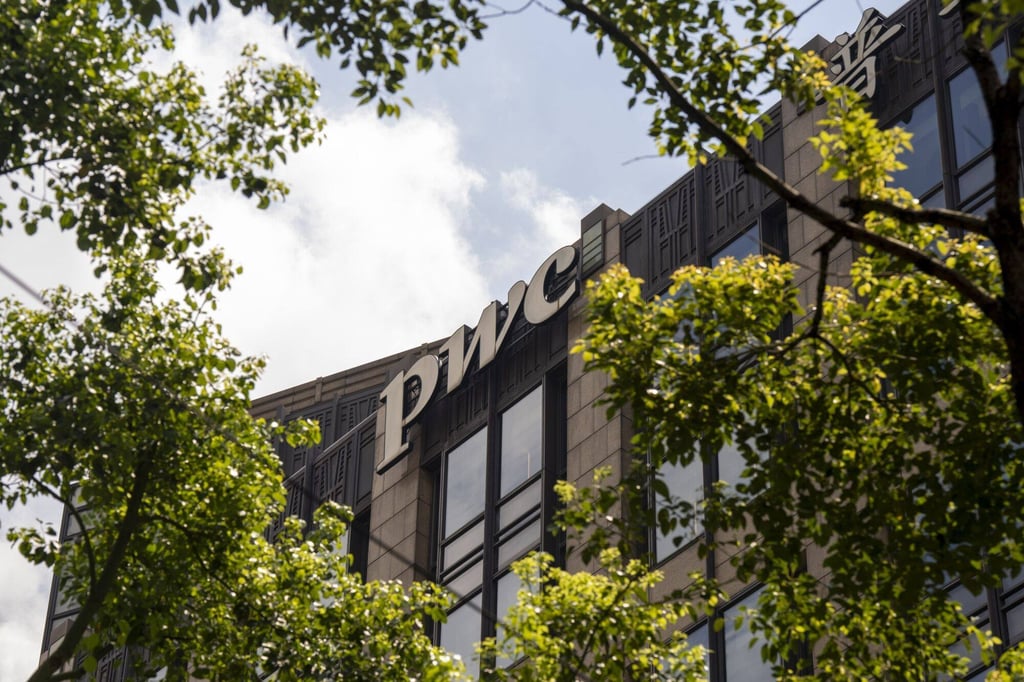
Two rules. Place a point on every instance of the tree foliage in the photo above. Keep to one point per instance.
(131, 407)
(886, 431)
(603, 626)
(134, 412)
(96, 139)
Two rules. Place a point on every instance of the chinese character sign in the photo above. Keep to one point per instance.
(855, 63)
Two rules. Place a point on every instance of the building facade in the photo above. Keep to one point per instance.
(447, 453)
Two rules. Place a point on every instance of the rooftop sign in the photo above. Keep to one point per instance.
(855, 64)
(535, 304)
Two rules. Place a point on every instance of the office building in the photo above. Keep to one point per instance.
(447, 453)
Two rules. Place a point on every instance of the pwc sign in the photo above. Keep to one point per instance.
(535, 304)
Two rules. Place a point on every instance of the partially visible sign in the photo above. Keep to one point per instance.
(532, 300)
(855, 65)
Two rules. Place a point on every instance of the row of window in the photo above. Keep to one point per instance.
(970, 167)
(484, 530)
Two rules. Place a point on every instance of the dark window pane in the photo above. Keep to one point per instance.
(972, 131)
(699, 637)
(924, 163)
(970, 603)
(743, 662)
(465, 482)
(366, 452)
(516, 507)
(684, 483)
(981, 175)
(461, 633)
(521, 440)
(520, 543)
(467, 581)
(1009, 584)
(508, 590)
(1015, 623)
(747, 244)
(359, 543)
(470, 541)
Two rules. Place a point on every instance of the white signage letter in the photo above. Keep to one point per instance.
(426, 369)
(537, 307)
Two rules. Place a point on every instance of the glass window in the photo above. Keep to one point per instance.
(699, 637)
(1015, 623)
(463, 545)
(980, 176)
(461, 633)
(519, 544)
(685, 483)
(471, 562)
(742, 661)
(467, 581)
(747, 244)
(731, 464)
(972, 132)
(521, 441)
(924, 162)
(1009, 584)
(508, 590)
(465, 482)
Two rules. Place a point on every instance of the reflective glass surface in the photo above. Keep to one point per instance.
(1015, 623)
(519, 544)
(972, 132)
(517, 506)
(684, 483)
(699, 637)
(508, 589)
(471, 540)
(461, 633)
(467, 581)
(465, 482)
(731, 463)
(980, 175)
(521, 440)
(747, 244)
(924, 162)
(742, 661)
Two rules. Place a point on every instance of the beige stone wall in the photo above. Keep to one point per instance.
(802, 161)
(593, 439)
(401, 513)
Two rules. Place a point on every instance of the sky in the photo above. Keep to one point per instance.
(395, 232)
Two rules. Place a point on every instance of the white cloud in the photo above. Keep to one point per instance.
(555, 214)
(367, 255)
(24, 594)
(554, 217)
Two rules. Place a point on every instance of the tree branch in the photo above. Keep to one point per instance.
(89, 553)
(90, 607)
(795, 199)
(32, 164)
(957, 220)
(824, 253)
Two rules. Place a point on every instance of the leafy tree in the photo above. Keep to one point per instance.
(882, 433)
(892, 417)
(604, 626)
(94, 138)
(133, 410)
(137, 418)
